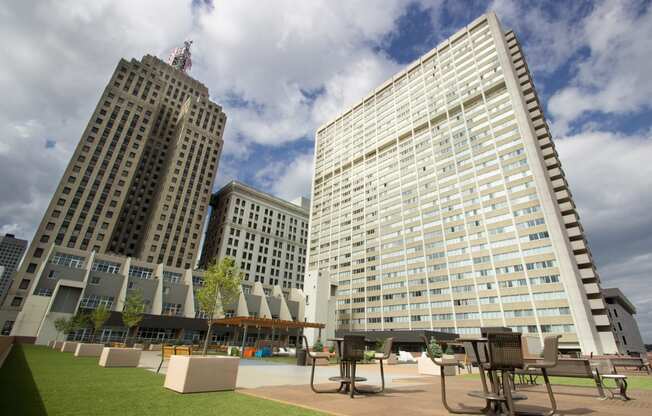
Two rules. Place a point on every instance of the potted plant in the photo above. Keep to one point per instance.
(198, 373)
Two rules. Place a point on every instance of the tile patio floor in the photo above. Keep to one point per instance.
(407, 392)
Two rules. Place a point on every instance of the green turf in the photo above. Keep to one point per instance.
(39, 381)
(642, 382)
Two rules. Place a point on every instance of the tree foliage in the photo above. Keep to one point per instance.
(132, 313)
(62, 325)
(99, 316)
(221, 286)
(434, 349)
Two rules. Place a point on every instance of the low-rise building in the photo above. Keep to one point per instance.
(71, 281)
(621, 312)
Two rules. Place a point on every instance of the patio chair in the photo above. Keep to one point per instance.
(316, 355)
(382, 356)
(549, 360)
(441, 363)
(505, 355)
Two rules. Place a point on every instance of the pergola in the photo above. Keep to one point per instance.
(250, 321)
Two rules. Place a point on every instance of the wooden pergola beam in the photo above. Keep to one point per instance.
(265, 323)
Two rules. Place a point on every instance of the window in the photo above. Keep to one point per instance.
(68, 260)
(24, 284)
(6, 327)
(53, 274)
(171, 277)
(31, 268)
(172, 309)
(106, 267)
(16, 301)
(38, 252)
(95, 280)
(93, 301)
(140, 272)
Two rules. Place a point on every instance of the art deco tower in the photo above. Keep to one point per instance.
(439, 203)
(139, 182)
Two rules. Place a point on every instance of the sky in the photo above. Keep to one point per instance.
(280, 69)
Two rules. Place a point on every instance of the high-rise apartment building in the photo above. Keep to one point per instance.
(439, 203)
(11, 251)
(138, 184)
(266, 235)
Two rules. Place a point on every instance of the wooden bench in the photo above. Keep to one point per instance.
(168, 351)
(571, 367)
(629, 362)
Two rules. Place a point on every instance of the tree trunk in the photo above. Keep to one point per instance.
(127, 334)
(208, 335)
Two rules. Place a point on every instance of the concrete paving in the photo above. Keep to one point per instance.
(260, 373)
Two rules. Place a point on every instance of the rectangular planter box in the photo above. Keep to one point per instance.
(139, 346)
(155, 347)
(119, 357)
(69, 346)
(88, 350)
(426, 366)
(195, 374)
(56, 345)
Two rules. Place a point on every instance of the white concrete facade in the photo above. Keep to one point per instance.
(439, 203)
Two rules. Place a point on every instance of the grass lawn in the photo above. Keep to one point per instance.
(642, 382)
(36, 380)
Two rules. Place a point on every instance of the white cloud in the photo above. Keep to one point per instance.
(288, 180)
(614, 77)
(610, 176)
(552, 32)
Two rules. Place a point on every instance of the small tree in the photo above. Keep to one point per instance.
(221, 287)
(434, 349)
(61, 325)
(132, 313)
(98, 317)
(77, 322)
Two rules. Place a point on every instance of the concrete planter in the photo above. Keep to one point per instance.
(139, 346)
(88, 350)
(427, 367)
(69, 346)
(56, 345)
(119, 357)
(195, 374)
(155, 347)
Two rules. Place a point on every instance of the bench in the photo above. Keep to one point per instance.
(168, 351)
(570, 367)
(629, 362)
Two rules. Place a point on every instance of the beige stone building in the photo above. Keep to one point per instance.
(139, 182)
(266, 235)
(439, 203)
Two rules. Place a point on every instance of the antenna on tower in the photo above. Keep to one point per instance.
(180, 57)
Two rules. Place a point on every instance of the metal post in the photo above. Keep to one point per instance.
(244, 339)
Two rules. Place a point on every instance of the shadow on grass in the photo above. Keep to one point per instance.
(19, 394)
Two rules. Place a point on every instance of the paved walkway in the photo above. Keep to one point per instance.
(423, 398)
(260, 373)
(407, 392)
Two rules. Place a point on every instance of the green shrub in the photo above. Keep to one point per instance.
(235, 352)
(318, 346)
(434, 349)
(369, 355)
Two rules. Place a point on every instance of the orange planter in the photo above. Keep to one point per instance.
(249, 352)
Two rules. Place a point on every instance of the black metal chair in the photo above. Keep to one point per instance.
(443, 364)
(387, 351)
(315, 355)
(505, 355)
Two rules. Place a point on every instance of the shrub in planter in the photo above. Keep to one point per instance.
(318, 346)
(369, 356)
(235, 352)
